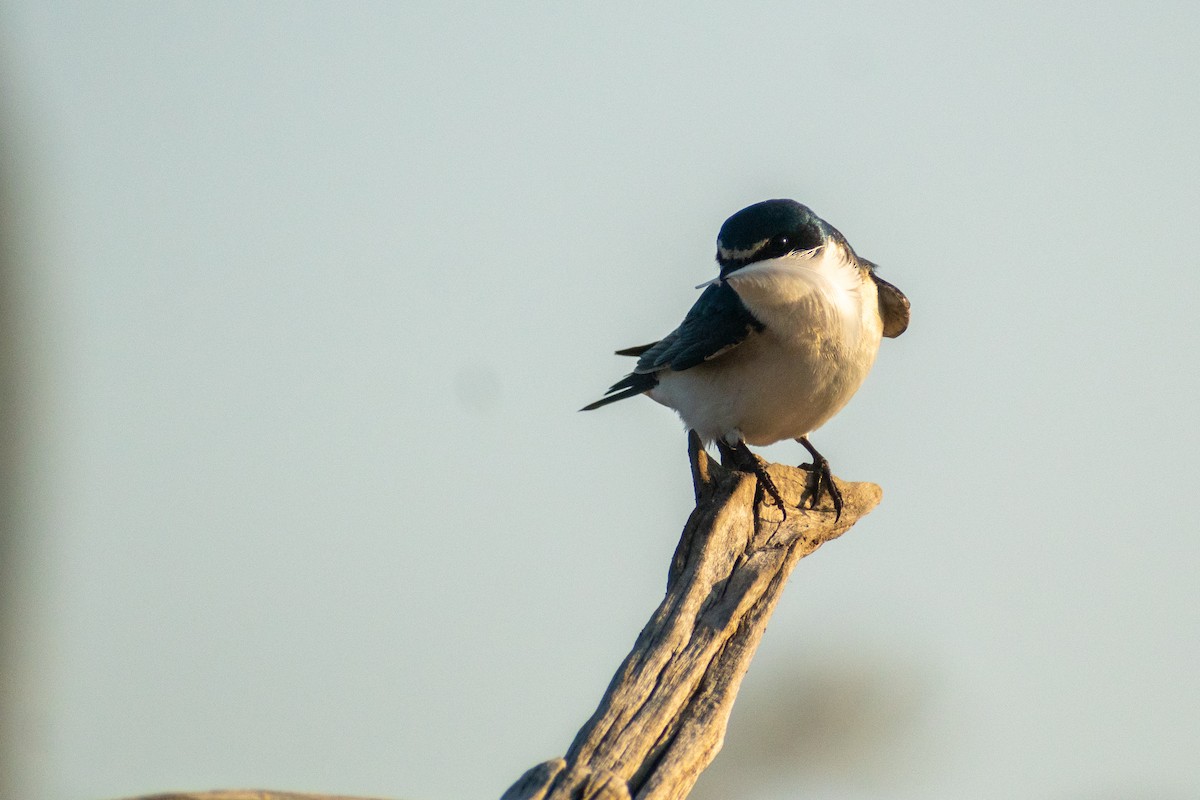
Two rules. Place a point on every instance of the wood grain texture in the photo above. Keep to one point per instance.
(663, 718)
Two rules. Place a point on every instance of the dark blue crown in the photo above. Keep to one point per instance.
(769, 229)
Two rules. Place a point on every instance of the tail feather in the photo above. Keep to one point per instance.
(630, 386)
(635, 351)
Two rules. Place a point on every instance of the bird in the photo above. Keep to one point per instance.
(775, 345)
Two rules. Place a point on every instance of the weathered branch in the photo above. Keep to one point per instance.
(663, 718)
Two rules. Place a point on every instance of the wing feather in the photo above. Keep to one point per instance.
(717, 323)
(893, 308)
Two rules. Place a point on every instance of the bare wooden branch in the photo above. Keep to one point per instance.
(663, 717)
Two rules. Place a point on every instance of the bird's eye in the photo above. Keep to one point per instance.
(782, 241)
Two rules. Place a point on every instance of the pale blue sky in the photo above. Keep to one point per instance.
(312, 292)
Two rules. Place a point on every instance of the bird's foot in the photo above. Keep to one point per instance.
(765, 484)
(821, 479)
(740, 458)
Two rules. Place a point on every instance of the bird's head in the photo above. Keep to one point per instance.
(771, 229)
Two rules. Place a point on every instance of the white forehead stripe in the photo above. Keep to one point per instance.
(733, 254)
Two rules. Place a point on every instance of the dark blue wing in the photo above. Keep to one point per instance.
(893, 307)
(718, 321)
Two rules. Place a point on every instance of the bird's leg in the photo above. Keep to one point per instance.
(729, 456)
(739, 457)
(820, 476)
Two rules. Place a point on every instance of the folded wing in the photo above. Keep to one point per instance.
(716, 324)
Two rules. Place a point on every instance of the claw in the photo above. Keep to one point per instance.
(740, 458)
(819, 477)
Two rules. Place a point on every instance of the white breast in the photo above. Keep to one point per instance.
(822, 331)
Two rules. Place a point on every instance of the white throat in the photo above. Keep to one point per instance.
(826, 277)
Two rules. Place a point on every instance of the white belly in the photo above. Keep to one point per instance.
(791, 378)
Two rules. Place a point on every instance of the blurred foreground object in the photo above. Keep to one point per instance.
(663, 718)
